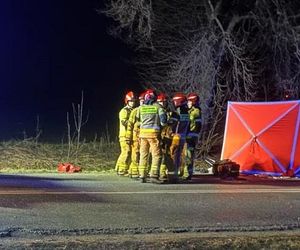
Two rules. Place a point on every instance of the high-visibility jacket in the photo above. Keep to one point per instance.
(123, 121)
(195, 122)
(152, 118)
(133, 125)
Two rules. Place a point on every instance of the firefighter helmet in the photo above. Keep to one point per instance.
(161, 97)
(142, 96)
(179, 99)
(129, 97)
(150, 95)
(194, 98)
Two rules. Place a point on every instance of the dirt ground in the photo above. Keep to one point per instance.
(225, 240)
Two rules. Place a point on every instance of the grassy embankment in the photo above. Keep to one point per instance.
(31, 156)
(208, 241)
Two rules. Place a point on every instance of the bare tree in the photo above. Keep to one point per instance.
(38, 130)
(134, 20)
(238, 50)
(69, 137)
(79, 122)
(279, 23)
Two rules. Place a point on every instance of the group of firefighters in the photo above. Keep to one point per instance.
(157, 140)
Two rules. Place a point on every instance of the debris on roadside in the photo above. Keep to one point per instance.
(68, 168)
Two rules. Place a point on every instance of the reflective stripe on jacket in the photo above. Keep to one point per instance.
(152, 117)
(184, 122)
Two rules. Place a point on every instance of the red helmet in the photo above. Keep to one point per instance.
(142, 96)
(161, 97)
(179, 99)
(150, 95)
(129, 97)
(194, 98)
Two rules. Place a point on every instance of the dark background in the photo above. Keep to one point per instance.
(51, 50)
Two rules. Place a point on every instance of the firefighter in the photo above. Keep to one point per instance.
(152, 118)
(123, 161)
(166, 138)
(180, 130)
(132, 134)
(193, 134)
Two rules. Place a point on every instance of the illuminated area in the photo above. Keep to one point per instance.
(263, 137)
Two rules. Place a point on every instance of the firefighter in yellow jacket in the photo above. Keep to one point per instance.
(124, 158)
(152, 118)
(132, 134)
(193, 134)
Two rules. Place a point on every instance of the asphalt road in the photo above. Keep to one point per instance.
(83, 204)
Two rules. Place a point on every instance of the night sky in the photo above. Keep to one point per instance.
(51, 50)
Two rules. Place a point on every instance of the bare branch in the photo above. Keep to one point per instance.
(239, 50)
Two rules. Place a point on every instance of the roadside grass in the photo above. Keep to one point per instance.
(209, 241)
(28, 155)
(31, 156)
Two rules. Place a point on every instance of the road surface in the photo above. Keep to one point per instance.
(104, 211)
(44, 204)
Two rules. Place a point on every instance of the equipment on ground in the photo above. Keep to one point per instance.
(223, 168)
(68, 168)
(226, 168)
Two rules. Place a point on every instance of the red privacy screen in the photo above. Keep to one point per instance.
(263, 137)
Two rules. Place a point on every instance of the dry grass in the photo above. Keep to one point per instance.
(208, 241)
(27, 155)
(30, 156)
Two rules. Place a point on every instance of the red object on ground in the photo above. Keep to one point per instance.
(263, 137)
(67, 168)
